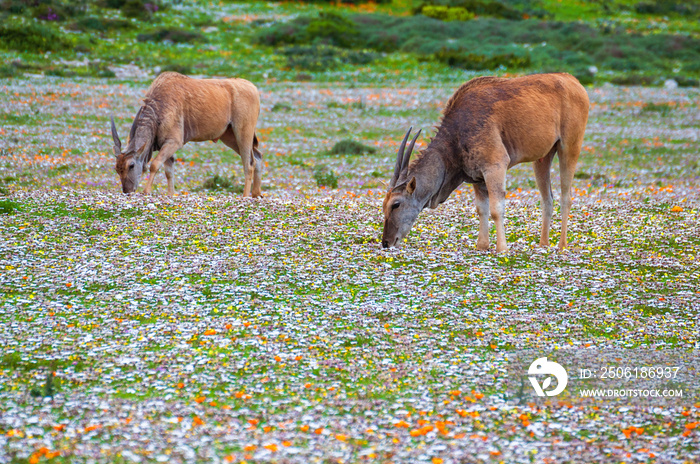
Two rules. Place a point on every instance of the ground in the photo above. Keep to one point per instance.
(207, 327)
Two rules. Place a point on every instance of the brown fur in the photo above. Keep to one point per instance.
(489, 125)
(178, 109)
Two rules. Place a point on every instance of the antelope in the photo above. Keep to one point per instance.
(489, 125)
(178, 109)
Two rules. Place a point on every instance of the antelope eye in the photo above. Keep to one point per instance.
(131, 166)
(396, 205)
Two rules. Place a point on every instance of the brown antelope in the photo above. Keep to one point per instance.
(489, 125)
(178, 109)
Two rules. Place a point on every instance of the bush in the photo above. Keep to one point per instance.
(351, 147)
(465, 60)
(325, 177)
(172, 35)
(92, 23)
(633, 79)
(32, 38)
(220, 183)
(326, 28)
(7, 70)
(319, 57)
(446, 13)
(666, 7)
(478, 7)
(9, 207)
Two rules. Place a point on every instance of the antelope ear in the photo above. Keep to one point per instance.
(411, 186)
(141, 152)
(115, 138)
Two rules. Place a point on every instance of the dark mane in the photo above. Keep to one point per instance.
(147, 118)
(464, 88)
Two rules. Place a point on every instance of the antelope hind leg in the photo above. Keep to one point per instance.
(542, 177)
(231, 138)
(567, 165)
(496, 184)
(481, 199)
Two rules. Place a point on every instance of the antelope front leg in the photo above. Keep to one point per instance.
(496, 185)
(168, 168)
(481, 199)
(166, 152)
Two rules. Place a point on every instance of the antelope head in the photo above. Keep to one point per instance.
(400, 207)
(130, 164)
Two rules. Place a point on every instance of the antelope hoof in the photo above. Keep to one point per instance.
(482, 246)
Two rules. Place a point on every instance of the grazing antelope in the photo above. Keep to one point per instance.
(178, 109)
(489, 125)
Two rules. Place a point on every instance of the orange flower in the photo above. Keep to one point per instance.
(318, 431)
(197, 421)
(401, 424)
(691, 425)
(59, 427)
(253, 422)
(304, 428)
(210, 332)
(286, 443)
(478, 396)
(267, 428)
(272, 447)
(341, 437)
(278, 359)
(677, 209)
(246, 324)
(250, 448)
(437, 461)
(455, 393)
(200, 399)
(180, 385)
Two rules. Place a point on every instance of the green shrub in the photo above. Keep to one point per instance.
(281, 107)
(666, 7)
(478, 7)
(662, 108)
(173, 35)
(319, 57)
(325, 177)
(351, 147)
(32, 38)
(7, 70)
(446, 13)
(326, 28)
(466, 60)
(684, 81)
(9, 207)
(92, 23)
(221, 183)
(634, 79)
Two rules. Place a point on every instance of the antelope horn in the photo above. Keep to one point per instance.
(407, 158)
(115, 137)
(399, 160)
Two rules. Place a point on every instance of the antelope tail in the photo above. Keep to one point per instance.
(256, 153)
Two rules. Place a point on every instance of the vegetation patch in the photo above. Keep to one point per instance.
(222, 183)
(171, 35)
(32, 37)
(318, 57)
(325, 176)
(351, 147)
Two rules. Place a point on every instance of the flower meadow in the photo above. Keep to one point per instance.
(207, 327)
